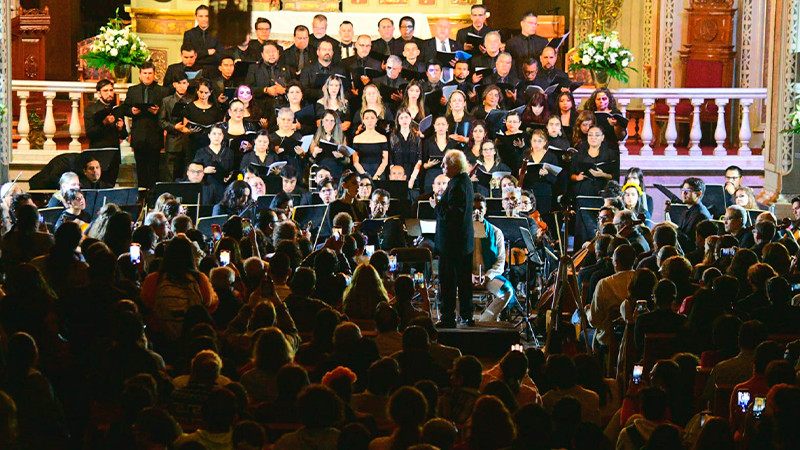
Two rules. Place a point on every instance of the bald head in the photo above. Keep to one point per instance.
(442, 29)
(548, 58)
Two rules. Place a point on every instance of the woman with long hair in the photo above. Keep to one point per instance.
(536, 112)
(744, 197)
(176, 287)
(97, 229)
(252, 112)
(235, 200)
(584, 121)
(217, 158)
(544, 180)
(364, 293)
(567, 112)
(604, 105)
(405, 142)
(490, 160)
(372, 148)
(371, 100)
(414, 101)
(478, 134)
(430, 158)
(202, 111)
(261, 154)
(634, 175)
(458, 119)
(333, 100)
(270, 352)
(75, 210)
(490, 101)
(633, 200)
(63, 267)
(237, 132)
(329, 130)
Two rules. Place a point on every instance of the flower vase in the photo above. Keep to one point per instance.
(121, 73)
(601, 79)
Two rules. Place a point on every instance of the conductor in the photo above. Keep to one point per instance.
(455, 241)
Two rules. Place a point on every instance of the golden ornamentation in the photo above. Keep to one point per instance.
(601, 15)
(392, 2)
(155, 21)
(159, 58)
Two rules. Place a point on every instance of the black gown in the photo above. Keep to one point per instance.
(370, 155)
(431, 150)
(405, 151)
(222, 161)
(511, 149)
(206, 116)
(541, 186)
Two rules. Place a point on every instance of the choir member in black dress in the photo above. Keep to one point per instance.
(371, 100)
(239, 133)
(555, 135)
(602, 101)
(217, 158)
(294, 96)
(556, 140)
(584, 121)
(372, 148)
(235, 201)
(414, 102)
(260, 155)
(253, 111)
(202, 111)
(458, 120)
(490, 163)
(330, 130)
(405, 143)
(567, 111)
(333, 100)
(285, 141)
(478, 134)
(536, 113)
(589, 167)
(430, 158)
(491, 101)
(512, 143)
(543, 179)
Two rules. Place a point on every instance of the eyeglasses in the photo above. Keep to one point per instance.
(595, 134)
(688, 191)
(365, 184)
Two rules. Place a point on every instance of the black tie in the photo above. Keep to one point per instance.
(301, 60)
(145, 95)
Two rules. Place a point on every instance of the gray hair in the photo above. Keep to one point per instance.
(505, 54)
(66, 177)
(458, 159)
(493, 33)
(222, 277)
(285, 112)
(738, 212)
(394, 59)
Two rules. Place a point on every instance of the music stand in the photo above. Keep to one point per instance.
(205, 223)
(533, 256)
(51, 215)
(273, 184)
(187, 192)
(676, 212)
(753, 213)
(133, 210)
(316, 214)
(96, 198)
(494, 207)
(586, 201)
(714, 199)
(425, 211)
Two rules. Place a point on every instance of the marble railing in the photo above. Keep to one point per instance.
(745, 97)
(22, 89)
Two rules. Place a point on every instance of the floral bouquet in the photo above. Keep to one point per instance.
(116, 45)
(604, 55)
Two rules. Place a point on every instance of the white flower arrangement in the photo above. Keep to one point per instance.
(602, 53)
(117, 45)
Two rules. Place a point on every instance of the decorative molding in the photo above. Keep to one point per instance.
(787, 84)
(669, 45)
(159, 58)
(5, 87)
(647, 53)
(155, 21)
(746, 53)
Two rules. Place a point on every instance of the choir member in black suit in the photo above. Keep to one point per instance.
(200, 38)
(176, 72)
(314, 76)
(357, 63)
(254, 47)
(225, 80)
(441, 42)
(268, 78)
(478, 16)
(319, 33)
(455, 241)
(147, 137)
(407, 27)
(171, 119)
(692, 191)
(383, 45)
(527, 44)
(104, 131)
(300, 54)
(492, 43)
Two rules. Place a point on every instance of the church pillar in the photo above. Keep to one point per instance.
(781, 176)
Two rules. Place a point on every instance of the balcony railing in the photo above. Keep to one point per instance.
(720, 97)
(74, 89)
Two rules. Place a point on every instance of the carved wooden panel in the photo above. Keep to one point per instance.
(28, 43)
(709, 41)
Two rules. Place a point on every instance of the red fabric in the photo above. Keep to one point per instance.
(703, 74)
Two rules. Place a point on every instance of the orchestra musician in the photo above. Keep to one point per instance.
(488, 264)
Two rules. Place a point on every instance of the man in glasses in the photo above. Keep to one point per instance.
(407, 27)
(692, 191)
(734, 220)
(733, 181)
